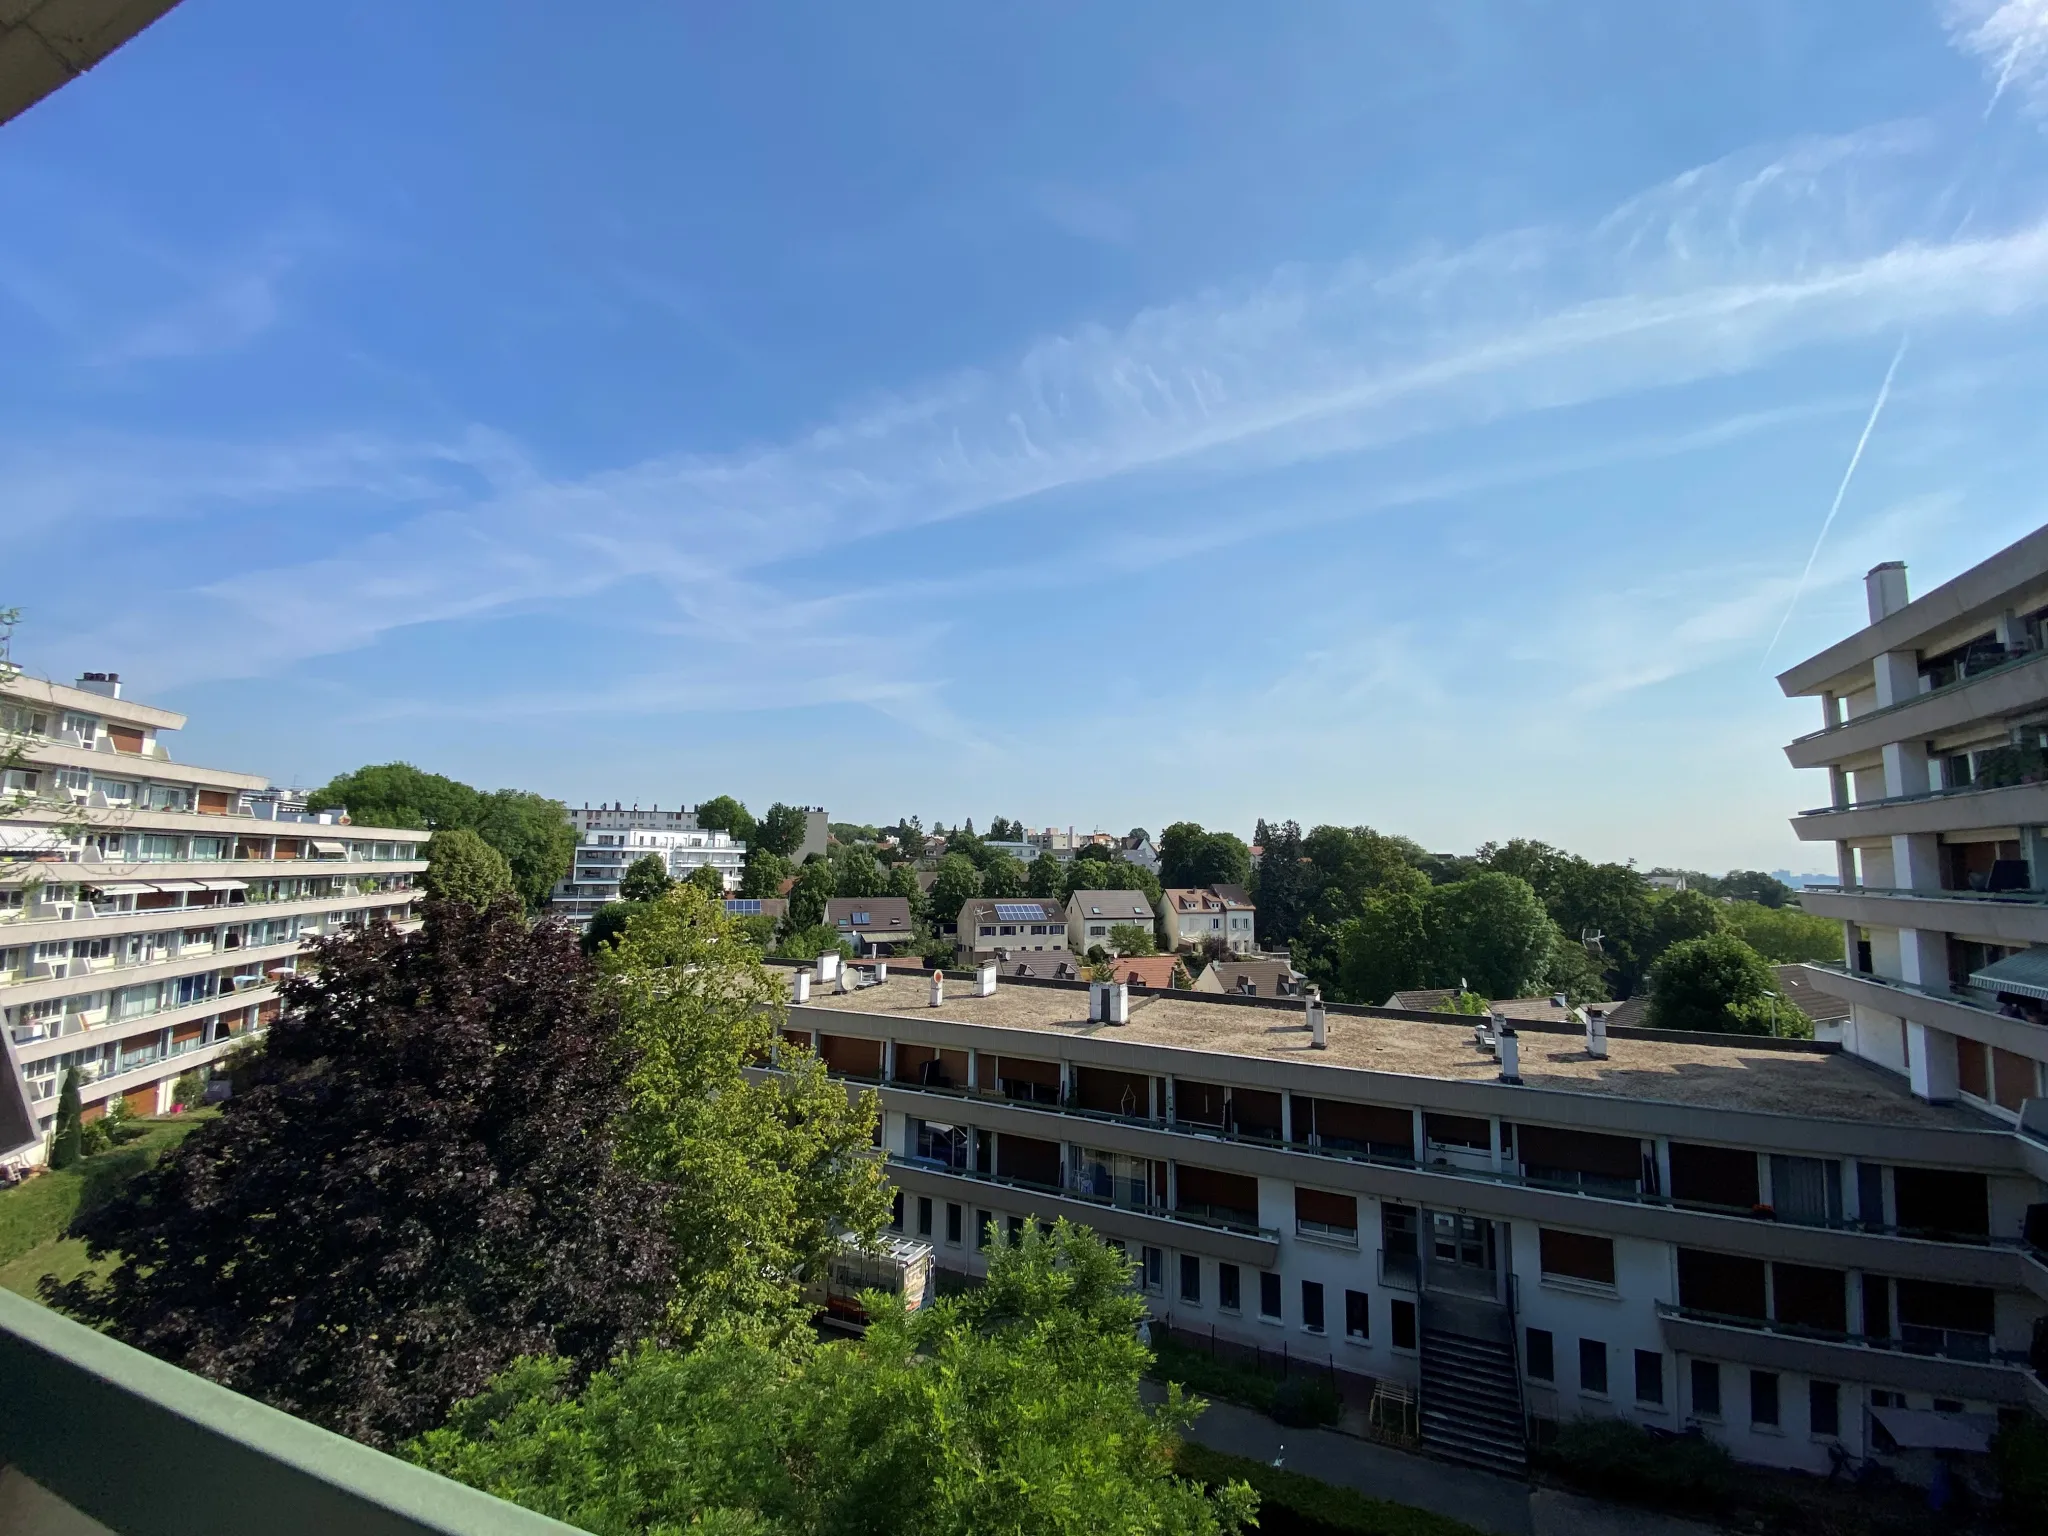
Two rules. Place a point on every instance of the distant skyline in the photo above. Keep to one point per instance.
(1420, 418)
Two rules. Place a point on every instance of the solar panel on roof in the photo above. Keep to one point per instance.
(744, 906)
(1019, 912)
(863, 918)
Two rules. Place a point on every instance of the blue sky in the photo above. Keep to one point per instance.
(1419, 416)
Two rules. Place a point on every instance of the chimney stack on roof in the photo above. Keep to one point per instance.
(106, 684)
(1118, 998)
(800, 987)
(1318, 1025)
(985, 979)
(1509, 1046)
(1596, 1035)
(1885, 589)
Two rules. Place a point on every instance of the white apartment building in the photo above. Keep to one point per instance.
(1934, 721)
(149, 908)
(1763, 1240)
(611, 838)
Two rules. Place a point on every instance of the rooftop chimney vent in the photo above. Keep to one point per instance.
(106, 684)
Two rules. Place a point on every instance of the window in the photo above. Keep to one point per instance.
(1706, 1389)
(1228, 1296)
(1763, 1398)
(1404, 1324)
(987, 930)
(1155, 1269)
(924, 1215)
(953, 1223)
(1823, 1408)
(1269, 1294)
(981, 1224)
(1016, 1226)
(1191, 1279)
(1542, 1356)
(1593, 1366)
(1576, 1256)
(1650, 1377)
(1312, 1306)
(1357, 1315)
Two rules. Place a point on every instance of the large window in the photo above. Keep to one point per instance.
(1269, 1295)
(1312, 1306)
(1229, 1295)
(1191, 1279)
(1542, 1352)
(1576, 1256)
(1650, 1377)
(1593, 1366)
(1357, 1315)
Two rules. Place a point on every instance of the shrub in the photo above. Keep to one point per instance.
(1620, 1460)
(189, 1091)
(1301, 1401)
(93, 1138)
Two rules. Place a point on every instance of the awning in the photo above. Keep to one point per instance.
(119, 887)
(2024, 974)
(329, 850)
(175, 885)
(1915, 1429)
(224, 885)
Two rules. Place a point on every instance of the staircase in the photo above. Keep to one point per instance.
(1471, 1390)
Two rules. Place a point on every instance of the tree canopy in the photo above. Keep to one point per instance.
(1190, 856)
(645, 878)
(1014, 1407)
(815, 885)
(958, 882)
(1003, 875)
(708, 880)
(418, 1188)
(764, 872)
(1712, 983)
(1785, 935)
(781, 831)
(463, 867)
(722, 813)
(856, 872)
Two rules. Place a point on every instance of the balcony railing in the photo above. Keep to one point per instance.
(1935, 1343)
(1881, 801)
(2011, 664)
(2015, 898)
(1193, 1214)
(1325, 1232)
(1978, 1001)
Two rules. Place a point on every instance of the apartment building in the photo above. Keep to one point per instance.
(988, 925)
(1194, 915)
(1091, 914)
(149, 908)
(1934, 740)
(1765, 1240)
(610, 839)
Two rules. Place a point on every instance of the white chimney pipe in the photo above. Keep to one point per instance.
(1510, 1047)
(842, 981)
(800, 987)
(938, 988)
(1094, 1002)
(828, 965)
(1119, 1002)
(881, 971)
(1596, 1035)
(1318, 1026)
(985, 979)
(1885, 589)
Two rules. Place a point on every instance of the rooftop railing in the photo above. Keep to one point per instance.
(146, 1449)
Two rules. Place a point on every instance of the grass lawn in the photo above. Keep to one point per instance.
(1293, 1505)
(34, 1216)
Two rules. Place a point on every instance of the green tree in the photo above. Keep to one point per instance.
(816, 884)
(1573, 970)
(1714, 983)
(419, 1188)
(398, 795)
(1785, 935)
(1391, 946)
(1004, 876)
(856, 873)
(722, 813)
(781, 831)
(1753, 885)
(760, 1175)
(1132, 939)
(818, 939)
(1676, 916)
(1494, 932)
(958, 882)
(535, 835)
(708, 880)
(1045, 878)
(189, 1091)
(67, 1135)
(607, 923)
(645, 878)
(903, 882)
(1190, 856)
(1284, 884)
(463, 867)
(1101, 869)
(764, 873)
(1015, 1407)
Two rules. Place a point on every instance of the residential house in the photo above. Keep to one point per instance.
(877, 925)
(1260, 977)
(1014, 924)
(1091, 914)
(1194, 915)
(1139, 851)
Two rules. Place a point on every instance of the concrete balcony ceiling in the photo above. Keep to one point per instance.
(1775, 1349)
(2015, 918)
(2012, 688)
(46, 43)
(1960, 810)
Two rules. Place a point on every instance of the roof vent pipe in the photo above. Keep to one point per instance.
(1510, 1047)
(828, 966)
(985, 979)
(842, 981)
(1559, 1000)
(1094, 1002)
(938, 988)
(1318, 1027)
(881, 971)
(1119, 1001)
(1596, 1036)
(800, 987)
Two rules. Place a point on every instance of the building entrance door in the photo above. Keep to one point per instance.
(1461, 1254)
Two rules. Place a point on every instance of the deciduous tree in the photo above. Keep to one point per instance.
(419, 1187)
(1714, 983)
(816, 884)
(463, 867)
(781, 831)
(1046, 878)
(722, 813)
(708, 880)
(763, 873)
(1004, 876)
(1494, 932)
(856, 872)
(1190, 856)
(958, 882)
(645, 878)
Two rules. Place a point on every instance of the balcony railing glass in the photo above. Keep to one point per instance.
(2010, 664)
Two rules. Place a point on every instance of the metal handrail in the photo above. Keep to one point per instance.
(1980, 1348)
(2010, 664)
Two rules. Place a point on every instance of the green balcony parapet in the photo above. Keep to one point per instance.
(146, 1449)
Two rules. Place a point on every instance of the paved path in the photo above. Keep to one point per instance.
(1501, 1506)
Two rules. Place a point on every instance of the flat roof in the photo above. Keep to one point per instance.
(1712, 1072)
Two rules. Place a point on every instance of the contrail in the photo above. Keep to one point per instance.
(1877, 408)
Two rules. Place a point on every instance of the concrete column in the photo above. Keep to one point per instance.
(1845, 865)
(1854, 1280)
(2009, 630)
(1765, 1194)
(1168, 1111)
(1849, 932)
(1931, 1063)
(1493, 1134)
(1838, 787)
(1152, 1104)
(1421, 1138)
(2034, 849)
(1923, 957)
(973, 1069)
(1905, 768)
(1897, 677)
(1916, 861)
(1286, 1115)
(889, 1061)
(1664, 1166)
(1830, 711)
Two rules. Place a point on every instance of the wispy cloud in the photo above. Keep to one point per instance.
(2010, 39)
(1716, 272)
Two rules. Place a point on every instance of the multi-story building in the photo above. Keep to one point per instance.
(1091, 914)
(1194, 915)
(1761, 1239)
(610, 839)
(149, 908)
(1934, 738)
(989, 925)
